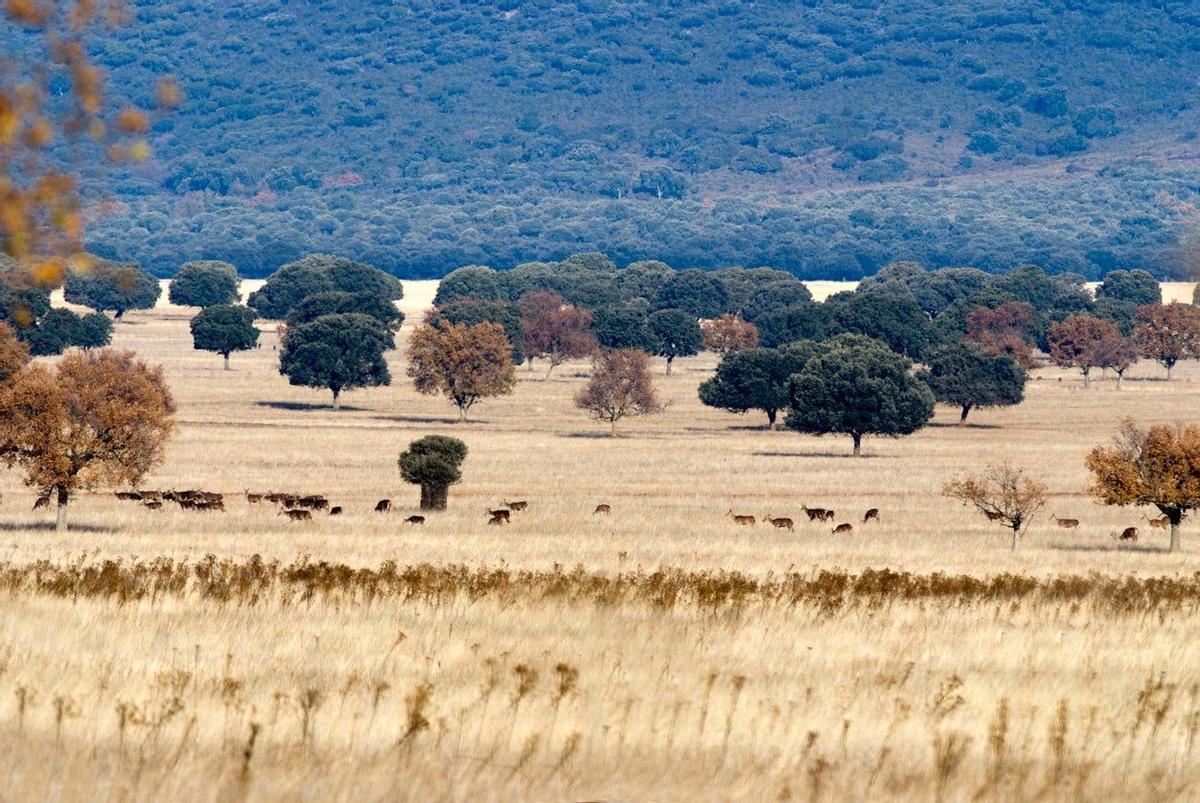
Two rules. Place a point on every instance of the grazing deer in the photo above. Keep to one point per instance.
(209, 504)
(871, 515)
(1066, 524)
(313, 502)
(843, 528)
(128, 496)
(782, 524)
(254, 499)
(42, 502)
(152, 504)
(151, 496)
(383, 506)
(517, 506)
(336, 510)
(498, 520)
(415, 520)
(1128, 534)
(743, 520)
(814, 513)
(297, 515)
(1161, 523)
(605, 509)
(502, 513)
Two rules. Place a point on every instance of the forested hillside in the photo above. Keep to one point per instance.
(825, 138)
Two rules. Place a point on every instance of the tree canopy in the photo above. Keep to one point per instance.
(1137, 287)
(320, 273)
(205, 283)
(966, 376)
(675, 333)
(434, 463)
(1081, 341)
(620, 387)
(224, 329)
(857, 386)
(1167, 333)
(463, 362)
(112, 287)
(756, 379)
(337, 352)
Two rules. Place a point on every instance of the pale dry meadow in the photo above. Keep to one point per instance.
(657, 653)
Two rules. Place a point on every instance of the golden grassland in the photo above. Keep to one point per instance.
(658, 653)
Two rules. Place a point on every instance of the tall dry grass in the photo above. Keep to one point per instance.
(661, 652)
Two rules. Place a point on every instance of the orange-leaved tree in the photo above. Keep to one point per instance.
(97, 418)
(463, 363)
(729, 333)
(46, 134)
(14, 354)
(1159, 466)
(1003, 493)
(1167, 333)
(620, 387)
(1081, 341)
(554, 330)
(1006, 330)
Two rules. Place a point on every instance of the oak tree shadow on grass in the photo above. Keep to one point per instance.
(1144, 549)
(426, 419)
(48, 526)
(604, 436)
(969, 425)
(302, 407)
(846, 454)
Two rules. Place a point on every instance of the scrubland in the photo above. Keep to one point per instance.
(657, 653)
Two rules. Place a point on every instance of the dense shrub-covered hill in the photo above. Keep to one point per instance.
(825, 138)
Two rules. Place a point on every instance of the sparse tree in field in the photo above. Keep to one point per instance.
(224, 329)
(204, 283)
(857, 386)
(1117, 355)
(337, 352)
(729, 333)
(112, 287)
(1003, 493)
(1138, 287)
(555, 330)
(14, 354)
(1167, 333)
(97, 418)
(1007, 330)
(967, 377)
(60, 328)
(620, 387)
(1159, 466)
(463, 363)
(1080, 342)
(756, 379)
(433, 462)
(675, 334)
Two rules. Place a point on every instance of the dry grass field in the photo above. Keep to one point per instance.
(658, 653)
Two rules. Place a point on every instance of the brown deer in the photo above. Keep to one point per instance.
(336, 510)
(605, 509)
(297, 515)
(871, 515)
(1066, 524)
(742, 520)
(415, 520)
(782, 523)
(42, 502)
(1128, 534)
(209, 504)
(1161, 523)
(313, 502)
(517, 506)
(499, 521)
(152, 504)
(501, 513)
(383, 506)
(843, 528)
(814, 513)
(128, 496)
(254, 499)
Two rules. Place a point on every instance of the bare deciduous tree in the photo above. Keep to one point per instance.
(1003, 493)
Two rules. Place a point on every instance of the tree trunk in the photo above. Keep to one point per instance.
(462, 413)
(669, 361)
(337, 400)
(1120, 379)
(966, 410)
(612, 432)
(771, 419)
(1016, 538)
(1174, 536)
(434, 496)
(60, 523)
(1170, 368)
(857, 445)
(1087, 379)
(530, 364)
(226, 361)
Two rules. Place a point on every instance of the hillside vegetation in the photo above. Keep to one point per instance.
(822, 138)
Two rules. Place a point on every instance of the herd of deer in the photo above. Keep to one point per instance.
(815, 514)
(1128, 534)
